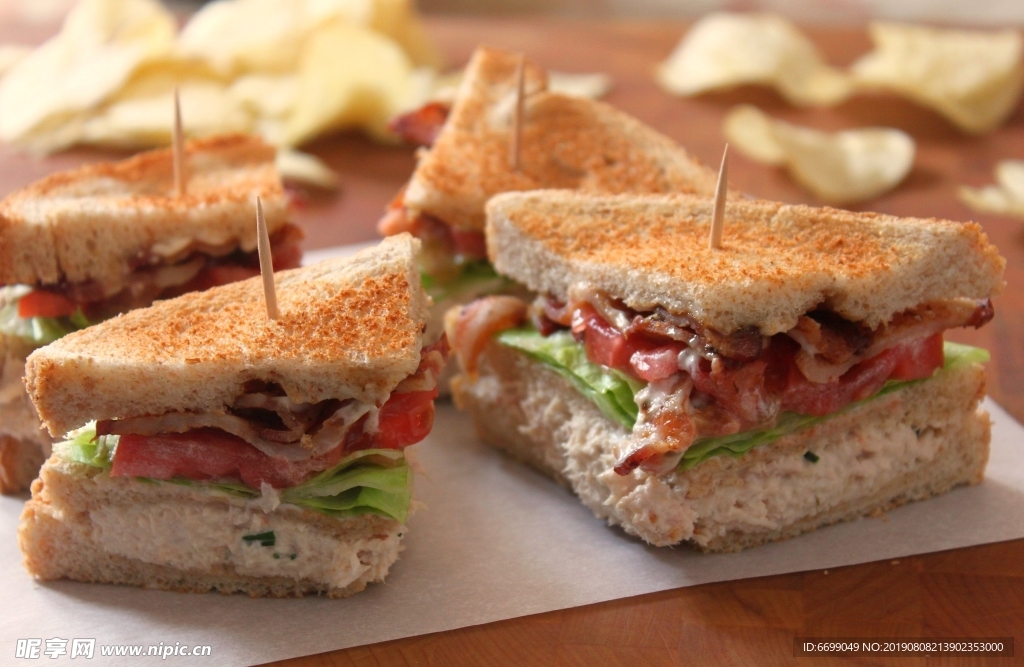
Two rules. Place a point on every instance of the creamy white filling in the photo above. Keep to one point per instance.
(198, 537)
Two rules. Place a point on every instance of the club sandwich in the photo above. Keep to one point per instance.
(794, 377)
(212, 448)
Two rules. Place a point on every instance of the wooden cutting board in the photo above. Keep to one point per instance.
(977, 591)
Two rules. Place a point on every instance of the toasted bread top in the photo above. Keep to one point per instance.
(567, 142)
(89, 223)
(349, 328)
(776, 262)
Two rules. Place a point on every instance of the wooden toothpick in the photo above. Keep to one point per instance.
(718, 212)
(266, 262)
(515, 148)
(178, 148)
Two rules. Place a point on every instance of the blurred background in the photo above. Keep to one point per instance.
(993, 13)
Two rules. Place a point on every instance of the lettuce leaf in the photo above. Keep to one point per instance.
(82, 446)
(370, 480)
(475, 278)
(38, 331)
(609, 389)
(613, 392)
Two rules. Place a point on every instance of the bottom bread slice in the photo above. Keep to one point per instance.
(83, 524)
(908, 445)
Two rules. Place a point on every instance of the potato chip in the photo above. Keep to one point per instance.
(142, 114)
(237, 36)
(723, 50)
(973, 78)
(101, 43)
(11, 55)
(267, 95)
(306, 169)
(839, 168)
(349, 76)
(1005, 198)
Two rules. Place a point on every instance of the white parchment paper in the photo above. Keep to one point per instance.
(496, 541)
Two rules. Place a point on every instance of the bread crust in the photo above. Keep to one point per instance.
(909, 445)
(567, 142)
(91, 223)
(349, 328)
(60, 539)
(776, 263)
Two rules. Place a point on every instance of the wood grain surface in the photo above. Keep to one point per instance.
(968, 592)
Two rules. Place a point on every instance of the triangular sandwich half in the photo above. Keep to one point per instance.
(215, 449)
(80, 246)
(567, 142)
(794, 377)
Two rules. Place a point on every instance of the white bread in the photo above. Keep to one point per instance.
(349, 328)
(24, 445)
(567, 142)
(83, 524)
(90, 223)
(776, 263)
(908, 445)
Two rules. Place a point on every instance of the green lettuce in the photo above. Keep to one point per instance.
(38, 331)
(475, 278)
(371, 480)
(609, 389)
(613, 392)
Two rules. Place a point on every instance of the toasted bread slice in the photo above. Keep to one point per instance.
(24, 445)
(83, 524)
(349, 328)
(567, 142)
(908, 445)
(92, 222)
(776, 263)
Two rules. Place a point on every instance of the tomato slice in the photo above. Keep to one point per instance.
(916, 362)
(44, 303)
(209, 453)
(404, 420)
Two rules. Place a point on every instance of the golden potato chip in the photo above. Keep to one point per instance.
(1005, 198)
(349, 76)
(142, 114)
(100, 45)
(594, 85)
(973, 78)
(839, 168)
(237, 36)
(305, 168)
(11, 55)
(266, 95)
(724, 50)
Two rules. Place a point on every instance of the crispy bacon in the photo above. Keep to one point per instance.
(175, 269)
(470, 327)
(421, 127)
(281, 429)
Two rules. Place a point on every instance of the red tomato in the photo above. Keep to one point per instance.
(404, 420)
(44, 303)
(605, 345)
(209, 453)
(919, 361)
